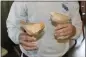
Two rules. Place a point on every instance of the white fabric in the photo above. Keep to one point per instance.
(39, 11)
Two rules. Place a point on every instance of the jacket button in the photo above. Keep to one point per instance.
(82, 6)
(83, 13)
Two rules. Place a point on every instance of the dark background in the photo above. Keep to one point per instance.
(5, 41)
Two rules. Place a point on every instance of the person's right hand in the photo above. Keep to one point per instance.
(27, 42)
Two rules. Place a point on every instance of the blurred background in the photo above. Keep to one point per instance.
(5, 40)
(13, 50)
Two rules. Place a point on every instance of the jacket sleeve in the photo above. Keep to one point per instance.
(75, 18)
(17, 12)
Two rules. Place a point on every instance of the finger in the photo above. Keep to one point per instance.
(23, 33)
(29, 48)
(66, 33)
(23, 36)
(61, 30)
(26, 37)
(31, 39)
(60, 26)
(57, 32)
(63, 37)
(28, 44)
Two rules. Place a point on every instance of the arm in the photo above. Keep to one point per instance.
(73, 30)
(76, 19)
(17, 12)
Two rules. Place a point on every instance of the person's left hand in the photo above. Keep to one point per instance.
(65, 30)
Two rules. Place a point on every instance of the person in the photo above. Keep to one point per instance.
(40, 11)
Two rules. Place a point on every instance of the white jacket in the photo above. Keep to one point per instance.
(39, 11)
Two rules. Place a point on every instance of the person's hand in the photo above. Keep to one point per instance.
(27, 42)
(65, 30)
